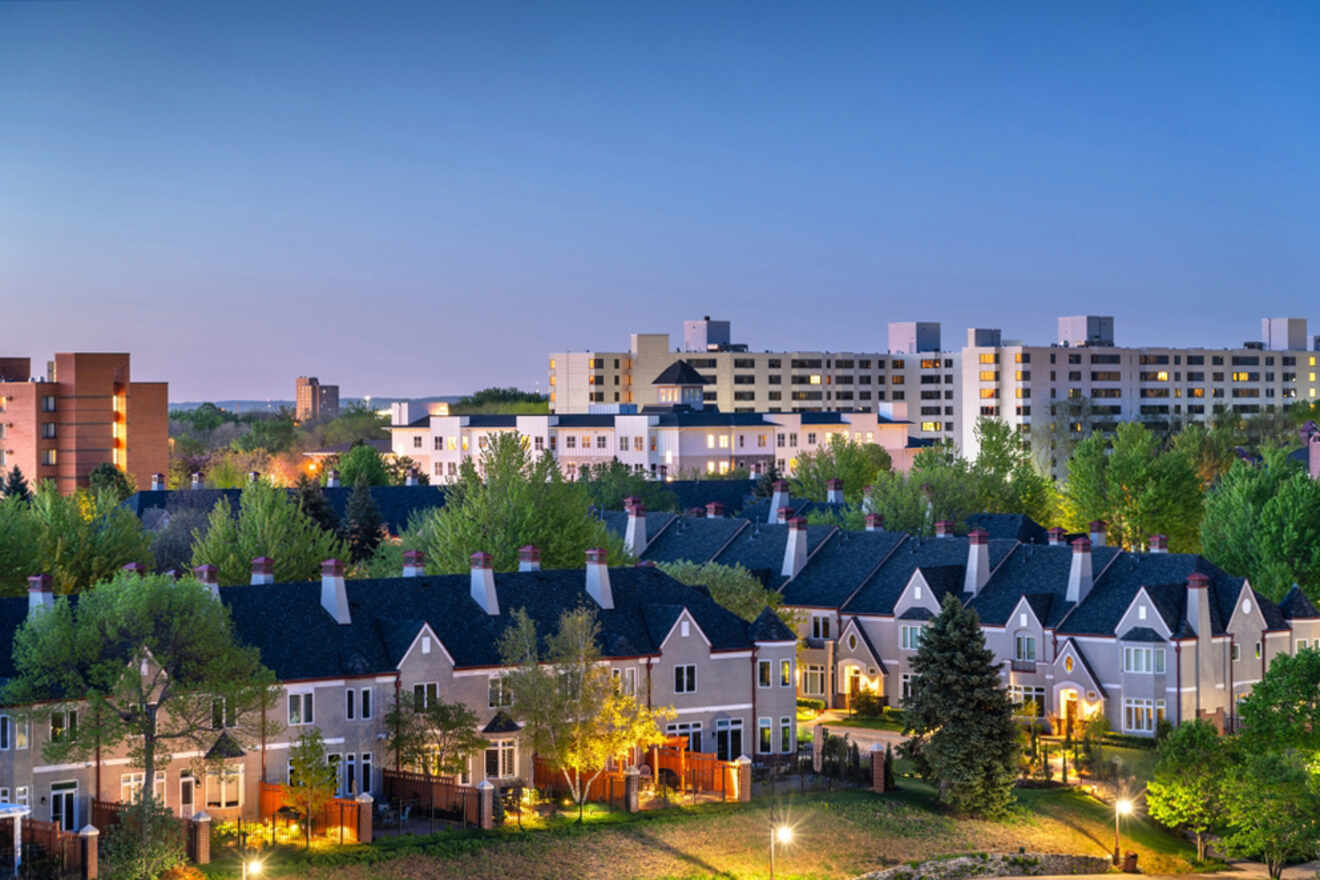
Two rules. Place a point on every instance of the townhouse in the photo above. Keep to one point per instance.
(1079, 628)
(345, 651)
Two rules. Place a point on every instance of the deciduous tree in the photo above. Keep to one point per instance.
(437, 736)
(312, 779)
(1186, 790)
(1273, 810)
(732, 586)
(84, 538)
(858, 464)
(105, 477)
(363, 462)
(1283, 709)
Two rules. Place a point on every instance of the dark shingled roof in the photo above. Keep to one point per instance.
(733, 494)
(1010, 526)
(768, 627)
(884, 587)
(617, 522)
(691, 539)
(680, 372)
(759, 510)
(870, 646)
(1165, 577)
(501, 723)
(1033, 570)
(1296, 606)
(1141, 634)
(917, 612)
(225, 747)
(760, 548)
(839, 567)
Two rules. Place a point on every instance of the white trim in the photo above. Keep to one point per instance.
(425, 630)
(62, 768)
(732, 707)
(332, 741)
(681, 615)
(307, 687)
(385, 679)
(783, 644)
(736, 655)
(485, 670)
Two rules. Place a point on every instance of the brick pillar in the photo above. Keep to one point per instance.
(878, 768)
(632, 786)
(365, 824)
(200, 839)
(818, 748)
(486, 805)
(744, 778)
(89, 840)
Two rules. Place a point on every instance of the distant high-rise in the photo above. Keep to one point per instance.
(1283, 334)
(315, 401)
(910, 337)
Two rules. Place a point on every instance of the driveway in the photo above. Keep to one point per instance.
(865, 737)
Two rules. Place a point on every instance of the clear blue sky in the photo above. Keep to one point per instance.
(413, 198)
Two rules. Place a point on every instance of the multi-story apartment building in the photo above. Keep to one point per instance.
(916, 374)
(1079, 628)
(1085, 382)
(84, 411)
(363, 645)
(670, 444)
(314, 401)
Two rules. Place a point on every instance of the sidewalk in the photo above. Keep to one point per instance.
(863, 736)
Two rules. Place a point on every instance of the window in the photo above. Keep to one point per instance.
(625, 679)
(785, 734)
(48, 456)
(763, 671)
(301, 709)
(424, 694)
(357, 703)
(1021, 695)
(417, 442)
(1024, 647)
(224, 788)
(570, 442)
(1142, 715)
(222, 715)
(48, 403)
(501, 757)
(1143, 660)
(62, 722)
(1237, 652)
(4, 732)
(685, 679)
(905, 685)
(21, 734)
(499, 693)
(813, 680)
(820, 626)
(689, 729)
(1257, 650)
(48, 430)
(130, 787)
(911, 637)
(764, 735)
(602, 441)
(785, 673)
(21, 795)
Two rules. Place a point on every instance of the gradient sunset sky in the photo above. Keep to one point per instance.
(428, 198)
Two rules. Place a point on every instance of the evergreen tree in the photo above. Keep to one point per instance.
(16, 485)
(964, 739)
(313, 504)
(890, 785)
(105, 477)
(362, 522)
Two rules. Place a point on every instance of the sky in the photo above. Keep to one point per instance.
(428, 198)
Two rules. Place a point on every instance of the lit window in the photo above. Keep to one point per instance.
(815, 379)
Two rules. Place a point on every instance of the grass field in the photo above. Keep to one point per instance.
(836, 835)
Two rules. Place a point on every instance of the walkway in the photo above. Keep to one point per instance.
(863, 736)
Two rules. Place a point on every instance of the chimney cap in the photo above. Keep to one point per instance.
(206, 574)
(529, 552)
(867, 490)
(263, 565)
(637, 508)
(597, 556)
(796, 523)
(40, 583)
(978, 536)
(1198, 580)
(779, 485)
(714, 507)
(332, 568)
(629, 501)
(480, 559)
(1054, 530)
(875, 519)
(1098, 525)
(785, 512)
(413, 557)
(834, 483)
(1158, 541)
(1081, 545)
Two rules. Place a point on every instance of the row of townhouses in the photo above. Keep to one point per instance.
(947, 391)
(1080, 628)
(344, 651)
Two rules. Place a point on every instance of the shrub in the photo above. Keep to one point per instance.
(868, 705)
(811, 704)
(146, 842)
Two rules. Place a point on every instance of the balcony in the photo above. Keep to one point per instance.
(1022, 665)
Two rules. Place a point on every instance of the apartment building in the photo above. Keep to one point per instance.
(84, 411)
(1078, 628)
(314, 401)
(914, 373)
(672, 443)
(362, 645)
(1092, 384)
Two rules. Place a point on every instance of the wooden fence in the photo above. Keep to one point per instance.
(442, 796)
(607, 788)
(338, 819)
(699, 772)
(64, 847)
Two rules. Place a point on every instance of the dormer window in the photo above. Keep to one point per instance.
(685, 629)
(916, 592)
(1022, 619)
(1141, 612)
(426, 644)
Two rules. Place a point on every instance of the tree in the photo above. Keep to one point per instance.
(574, 714)
(505, 500)
(84, 538)
(609, 484)
(1005, 476)
(142, 660)
(1187, 787)
(313, 504)
(362, 522)
(963, 736)
(105, 477)
(16, 485)
(1273, 810)
(857, 464)
(272, 433)
(1135, 485)
(731, 586)
(399, 467)
(439, 737)
(1209, 448)
(312, 780)
(145, 842)
(20, 552)
(501, 400)
(172, 539)
(270, 524)
(363, 462)
(1283, 709)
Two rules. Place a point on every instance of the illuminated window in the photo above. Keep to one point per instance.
(987, 393)
(724, 467)
(552, 380)
(989, 358)
(710, 467)
(988, 376)
(815, 379)
(930, 426)
(710, 441)
(552, 363)
(724, 441)
(1241, 377)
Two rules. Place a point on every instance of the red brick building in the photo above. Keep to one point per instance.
(83, 412)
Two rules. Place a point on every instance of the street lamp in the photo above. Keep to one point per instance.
(251, 868)
(781, 834)
(1122, 807)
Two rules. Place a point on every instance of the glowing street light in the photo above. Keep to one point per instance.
(1122, 807)
(781, 834)
(251, 868)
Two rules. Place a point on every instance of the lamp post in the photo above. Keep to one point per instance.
(1122, 807)
(779, 833)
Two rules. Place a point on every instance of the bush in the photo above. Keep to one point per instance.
(811, 704)
(146, 842)
(868, 705)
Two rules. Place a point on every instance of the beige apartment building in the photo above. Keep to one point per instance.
(314, 401)
(914, 374)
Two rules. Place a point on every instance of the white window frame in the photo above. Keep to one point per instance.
(812, 674)
(1025, 641)
(506, 759)
(430, 690)
(905, 680)
(821, 625)
(21, 734)
(218, 778)
(765, 674)
(688, 678)
(786, 735)
(625, 679)
(498, 695)
(911, 636)
(1141, 660)
(785, 672)
(765, 741)
(687, 729)
(306, 703)
(6, 736)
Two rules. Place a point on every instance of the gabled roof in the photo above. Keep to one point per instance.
(1075, 648)
(733, 494)
(839, 567)
(1141, 634)
(680, 372)
(917, 612)
(857, 627)
(881, 591)
(501, 723)
(1010, 526)
(1295, 605)
(690, 538)
(225, 746)
(1164, 575)
(1033, 570)
(768, 627)
(760, 549)
(759, 510)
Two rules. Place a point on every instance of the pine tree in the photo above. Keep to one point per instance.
(312, 502)
(16, 485)
(890, 785)
(963, 734)
(362, 522)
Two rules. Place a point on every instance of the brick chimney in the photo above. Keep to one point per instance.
(1159, 544)
(778, 500)
(1054, 535)
(206, 574)
(263, 571)
(196, 480)
(529, 558)
(135, 568)
(598, 578)
(483, 584)
(795, 550)
(874, 522)
(1080, 578)
(868, 499)
(834, 491)
(944, 529)
(1198, 605)
(411, 479)
(41, 593)
(157, 482)
(634, 535)
(783, 515)
(414, 563)
(714, 510)
(332, 479)
(1097, 528)
(334, 592)
(978, 561)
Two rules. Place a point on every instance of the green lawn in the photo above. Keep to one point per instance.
(867, 723)
(836, 835)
